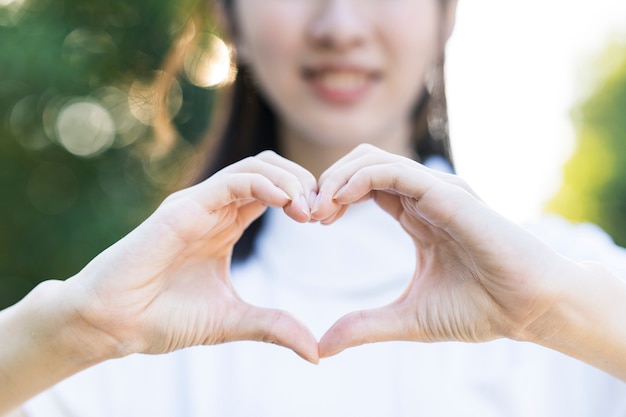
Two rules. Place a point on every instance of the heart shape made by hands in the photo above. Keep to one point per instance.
(475, 276)
(320, 273)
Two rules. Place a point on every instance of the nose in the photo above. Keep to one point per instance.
(338, 24)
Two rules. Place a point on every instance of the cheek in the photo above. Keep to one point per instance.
(412, 25)
(272, 38)
(267, 33)
(413, 47)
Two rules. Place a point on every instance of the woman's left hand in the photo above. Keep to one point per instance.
(478, 276)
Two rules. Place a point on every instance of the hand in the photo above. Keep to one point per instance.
(477, 277)
(167, 284)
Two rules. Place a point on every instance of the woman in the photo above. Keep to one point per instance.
(335, 74)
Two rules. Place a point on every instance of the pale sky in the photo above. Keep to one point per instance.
(514, 70)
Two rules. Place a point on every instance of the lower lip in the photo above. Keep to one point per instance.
(340, 96)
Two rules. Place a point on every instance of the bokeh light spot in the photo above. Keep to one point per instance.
(50, 115)
(127, 127)
(85, 128)
(83, 42)
(12, 11)
(25, 125)
(142, 100)
(208, 63)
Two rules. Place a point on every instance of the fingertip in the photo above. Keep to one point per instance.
(270, 194)
(315, 206)
(312, 354)
(302, 342)
(304, 207)
(341, 192)
(327, 222)
(358, 328)
(323, 207)
(338, 338)
(299, 210)
(281, 328)
(335, 216)
(284, 194)
(312, 198)
(328, 347)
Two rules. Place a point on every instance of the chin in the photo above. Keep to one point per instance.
(340, 131)
(342, 138)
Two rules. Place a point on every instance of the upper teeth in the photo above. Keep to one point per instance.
(342, 80)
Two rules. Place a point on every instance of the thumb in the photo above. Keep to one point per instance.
(366, 326)
(277, 327)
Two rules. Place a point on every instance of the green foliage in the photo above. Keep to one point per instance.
(594, 186)
(59, 208)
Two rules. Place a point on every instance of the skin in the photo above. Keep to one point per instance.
(163, 287)
(396, 42)
(167, 285)
(478, 276)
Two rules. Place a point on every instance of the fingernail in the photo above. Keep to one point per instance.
(341, 191)
(285, 194)
(304, 206)
(316, 203)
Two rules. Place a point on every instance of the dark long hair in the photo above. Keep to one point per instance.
(250, 126)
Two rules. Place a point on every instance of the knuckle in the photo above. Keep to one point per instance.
(248, 161)
(267, 155)
(367, 146)
(369, 149)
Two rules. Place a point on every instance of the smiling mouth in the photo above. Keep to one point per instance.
(340, 85)
(340, 80)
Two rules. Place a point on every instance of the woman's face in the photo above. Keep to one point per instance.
(342, 72)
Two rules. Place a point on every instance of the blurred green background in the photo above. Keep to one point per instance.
(77, 169)
(594, 178)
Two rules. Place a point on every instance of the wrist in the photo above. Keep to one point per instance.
(556, 301)
(581, 323)
(572, 308)
(45, 341)
(87, 325)
(56, 309)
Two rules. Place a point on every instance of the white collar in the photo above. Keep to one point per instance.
(366, 251)
(363, 252)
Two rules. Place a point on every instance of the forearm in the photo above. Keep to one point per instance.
(587, 321)
(43, 342)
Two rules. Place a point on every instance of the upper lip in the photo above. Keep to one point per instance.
(310, 71)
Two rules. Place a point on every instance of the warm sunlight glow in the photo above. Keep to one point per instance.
(208, 63)
(142, 96)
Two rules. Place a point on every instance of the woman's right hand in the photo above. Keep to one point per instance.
(167, 284)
